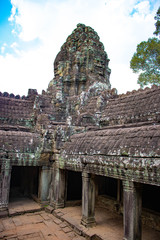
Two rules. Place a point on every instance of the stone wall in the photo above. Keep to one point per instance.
(140, 106)
(81, 124)
(16, 113)
(81, 62)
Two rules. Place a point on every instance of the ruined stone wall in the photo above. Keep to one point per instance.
(129, 145)
(78, 99)
(140, 106)
(47, 110)
(22, 148)
(135, 142)
(81, 62)
(24, 141)
(16, 112)
(80, 123)
(24, 138)
(126, 153)
(90, 106)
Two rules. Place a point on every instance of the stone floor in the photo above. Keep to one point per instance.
(28, 221)
(109, 225)
(37, 226)
(23, 205)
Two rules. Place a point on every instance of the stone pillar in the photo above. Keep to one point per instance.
(44, 185)
(5, 177)
(88, 200)
(58, 191)
(132, 207)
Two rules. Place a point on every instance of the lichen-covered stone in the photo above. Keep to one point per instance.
(80, 124)
(81, 63)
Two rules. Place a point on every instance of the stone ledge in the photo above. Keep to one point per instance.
(80, 230)
(49, 209)
(3, 213)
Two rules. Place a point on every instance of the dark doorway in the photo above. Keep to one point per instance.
(151, 197)
(74, 185)
(24, 182)
(107, 186)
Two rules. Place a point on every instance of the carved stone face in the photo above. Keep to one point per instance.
(81, 62)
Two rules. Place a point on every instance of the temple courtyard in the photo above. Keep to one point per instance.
(27, 220)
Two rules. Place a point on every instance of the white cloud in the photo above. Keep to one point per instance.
(51, 21)
(143, 7)
(3, 48)
(13, 12)
(14, 45)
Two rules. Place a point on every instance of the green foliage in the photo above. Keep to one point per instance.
(146, 61)
(157, 24)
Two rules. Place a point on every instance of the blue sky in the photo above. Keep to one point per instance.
(5, 11)
(32, 32)
(5, 27)
(9, 31)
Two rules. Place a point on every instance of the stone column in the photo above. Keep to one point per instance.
(44, 185)
(132, 207)
(88, 200)
(5, 185)
(58, 191)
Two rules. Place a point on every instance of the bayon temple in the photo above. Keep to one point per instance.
(80, 140)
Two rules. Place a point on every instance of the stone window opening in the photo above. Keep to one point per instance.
(74, 187)
(151, 197)
(109, 191)
(24, 182)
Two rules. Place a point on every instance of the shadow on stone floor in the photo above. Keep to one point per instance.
(109, 225)
(19, 206)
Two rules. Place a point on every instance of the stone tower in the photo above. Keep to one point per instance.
(81, 63)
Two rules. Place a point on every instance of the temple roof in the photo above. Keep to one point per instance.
(141, 141)
(134, 107)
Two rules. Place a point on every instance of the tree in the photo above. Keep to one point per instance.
(146, 60)
(157, 24)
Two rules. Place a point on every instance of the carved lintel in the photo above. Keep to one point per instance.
(131, 186)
